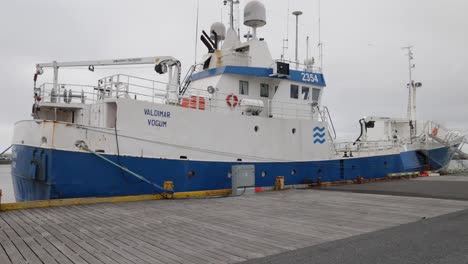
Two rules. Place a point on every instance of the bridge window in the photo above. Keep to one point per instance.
(294, 91)
(305, 93)
(315, 94)
(244, 87)
(264, 90)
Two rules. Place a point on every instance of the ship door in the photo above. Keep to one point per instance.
(110, 113)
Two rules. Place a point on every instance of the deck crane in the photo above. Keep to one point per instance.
(162, 64)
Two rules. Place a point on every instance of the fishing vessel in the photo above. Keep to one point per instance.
(127, 135)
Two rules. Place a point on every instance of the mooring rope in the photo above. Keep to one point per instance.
(3, 152)
(82, 145)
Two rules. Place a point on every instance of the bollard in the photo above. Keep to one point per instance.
(169, 186)
(279, 183)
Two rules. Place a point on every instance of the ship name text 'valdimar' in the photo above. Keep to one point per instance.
(157, 113)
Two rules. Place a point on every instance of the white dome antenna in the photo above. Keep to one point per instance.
(217, 32)
(254, 16)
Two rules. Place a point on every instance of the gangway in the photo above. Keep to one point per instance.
(447, 144)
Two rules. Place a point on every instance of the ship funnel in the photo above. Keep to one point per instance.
(254, 16)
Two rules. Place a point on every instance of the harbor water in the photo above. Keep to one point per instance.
(6, 184)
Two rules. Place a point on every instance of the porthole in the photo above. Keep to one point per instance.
(294, 131)
(191, 173)
(256, 128)
(264, 174)
(293, 172)
(229, 175)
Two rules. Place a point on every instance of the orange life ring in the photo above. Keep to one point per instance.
(232, 100)
(435, 131)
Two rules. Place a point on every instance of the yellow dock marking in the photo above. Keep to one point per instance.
(115, 199)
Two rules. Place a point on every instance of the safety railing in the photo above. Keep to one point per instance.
(301, 66)
(67, 93)
(126, 86)
(287, 109)
(137, 88)
(366, 148)
(439, 131)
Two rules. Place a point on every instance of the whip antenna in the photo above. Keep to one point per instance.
(196, 33)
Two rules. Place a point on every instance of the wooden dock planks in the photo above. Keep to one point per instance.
(217, 230)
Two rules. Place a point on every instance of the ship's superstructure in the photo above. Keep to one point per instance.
(237, 106)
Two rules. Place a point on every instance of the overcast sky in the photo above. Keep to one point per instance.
(364, 65)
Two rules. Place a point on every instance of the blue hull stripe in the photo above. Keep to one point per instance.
(296, 76)
(40, 174)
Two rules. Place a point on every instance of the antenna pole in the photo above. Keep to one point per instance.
(284, 47)
(411, 112)
(196, 33)
(231, 14)
(297, 14)
(286, 40)
(320, 44)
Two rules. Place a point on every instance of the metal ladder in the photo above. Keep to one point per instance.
(330, 127)
(187, 80)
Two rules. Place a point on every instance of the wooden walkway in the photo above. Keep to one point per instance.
(222, 230)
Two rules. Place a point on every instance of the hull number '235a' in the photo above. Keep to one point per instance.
(157, 113)
(309, 77)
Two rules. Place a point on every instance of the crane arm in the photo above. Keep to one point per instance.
(127, 61)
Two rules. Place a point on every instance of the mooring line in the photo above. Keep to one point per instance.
(3, 152)
(82, 145)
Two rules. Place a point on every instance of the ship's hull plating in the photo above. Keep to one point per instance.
(40, 173)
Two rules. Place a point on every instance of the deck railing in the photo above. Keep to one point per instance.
(142, 89)
(366, 148)
(67, 93)
(301, 66)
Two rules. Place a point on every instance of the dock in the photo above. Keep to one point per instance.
(212, 230)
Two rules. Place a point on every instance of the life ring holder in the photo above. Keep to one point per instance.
(232, 100)
(435, 131)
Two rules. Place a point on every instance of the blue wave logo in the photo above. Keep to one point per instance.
(321, 141)
(319, 136)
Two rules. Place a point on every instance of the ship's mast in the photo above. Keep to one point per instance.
(297, 14)
(231, 11)
(411, 112)
(320, 44)
(232, 37)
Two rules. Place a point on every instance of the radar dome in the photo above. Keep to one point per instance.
(254, 14)
(219, 29)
